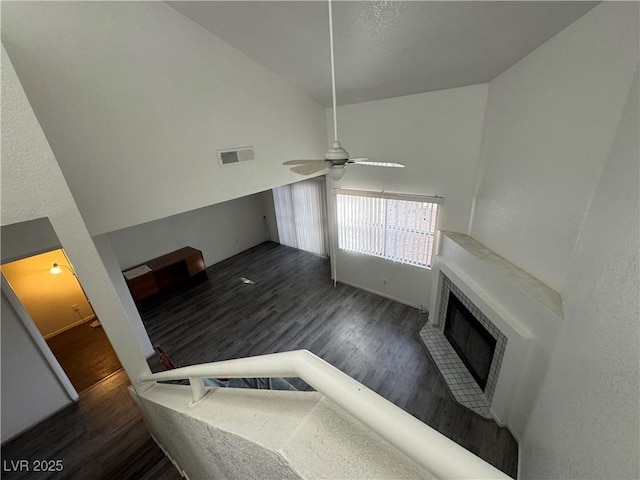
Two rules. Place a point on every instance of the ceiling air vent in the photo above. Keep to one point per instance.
(235, 155)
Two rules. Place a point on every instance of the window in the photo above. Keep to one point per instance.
(300, 215)
(397, 227)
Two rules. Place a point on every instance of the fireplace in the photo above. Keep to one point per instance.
(520, 312)
(471, 369)
(471, 341)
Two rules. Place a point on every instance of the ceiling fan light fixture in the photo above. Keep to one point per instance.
(336, 172)
(336, 153)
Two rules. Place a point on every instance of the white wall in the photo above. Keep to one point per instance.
(33, 187)
(549, 124)
(137, 100)
(437, 135)
(290, 435)
(586, 420)
(220, 231)
(26, 239)
(25, 376)
(114, 271)
(270, 213)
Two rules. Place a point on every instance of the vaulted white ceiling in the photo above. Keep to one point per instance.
(384, 48)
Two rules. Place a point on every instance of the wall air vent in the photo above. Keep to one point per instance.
(231, 156)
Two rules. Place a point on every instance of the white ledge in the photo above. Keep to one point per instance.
(527, 284)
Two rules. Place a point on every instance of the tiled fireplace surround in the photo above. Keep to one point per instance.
(520, 312)
(463, 386)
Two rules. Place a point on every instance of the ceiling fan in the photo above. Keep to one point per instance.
(336, 157)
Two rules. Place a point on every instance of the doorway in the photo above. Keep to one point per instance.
(49, 290)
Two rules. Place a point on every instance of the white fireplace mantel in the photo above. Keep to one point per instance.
(516, 278)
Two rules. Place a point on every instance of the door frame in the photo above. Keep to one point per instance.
(37, 337)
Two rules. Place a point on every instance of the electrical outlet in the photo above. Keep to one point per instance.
(75, 307)
(384, 281)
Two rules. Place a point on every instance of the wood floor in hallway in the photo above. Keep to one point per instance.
(85, 354)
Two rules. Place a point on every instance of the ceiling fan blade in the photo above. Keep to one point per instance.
(300, 162)
(310, 167)
(367, 162)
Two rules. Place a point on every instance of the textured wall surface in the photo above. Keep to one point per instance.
(138, 98)
(255, 434)
(437, 136)
(550, 121)
(33, 187)
(114, 271)
(220, 231)
(22, 359)
(586, 420)
(24, 239)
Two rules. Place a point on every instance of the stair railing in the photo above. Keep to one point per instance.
(430, 449)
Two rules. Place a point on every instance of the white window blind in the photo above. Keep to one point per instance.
(300, 215)
(397, 227)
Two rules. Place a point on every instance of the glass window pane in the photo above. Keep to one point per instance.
(399, 230)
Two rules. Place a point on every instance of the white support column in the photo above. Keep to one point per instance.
(33, 187)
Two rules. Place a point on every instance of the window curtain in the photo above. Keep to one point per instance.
(300, 215)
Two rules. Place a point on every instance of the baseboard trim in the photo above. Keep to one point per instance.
(504, 424)
(69, 327)
(380, 294)
(508, 427)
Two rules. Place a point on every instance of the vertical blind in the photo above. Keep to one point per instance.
(388, 226)
(300, 215)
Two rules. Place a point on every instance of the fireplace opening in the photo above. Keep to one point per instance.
(471, 341)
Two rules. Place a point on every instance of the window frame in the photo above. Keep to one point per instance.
(431, 199)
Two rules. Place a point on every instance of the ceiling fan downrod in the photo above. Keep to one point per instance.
(337, 155)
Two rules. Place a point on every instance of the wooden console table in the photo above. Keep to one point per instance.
(162, 273)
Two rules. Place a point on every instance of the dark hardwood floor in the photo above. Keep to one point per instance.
(102, 436)
(292, 304)
(85, 355)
